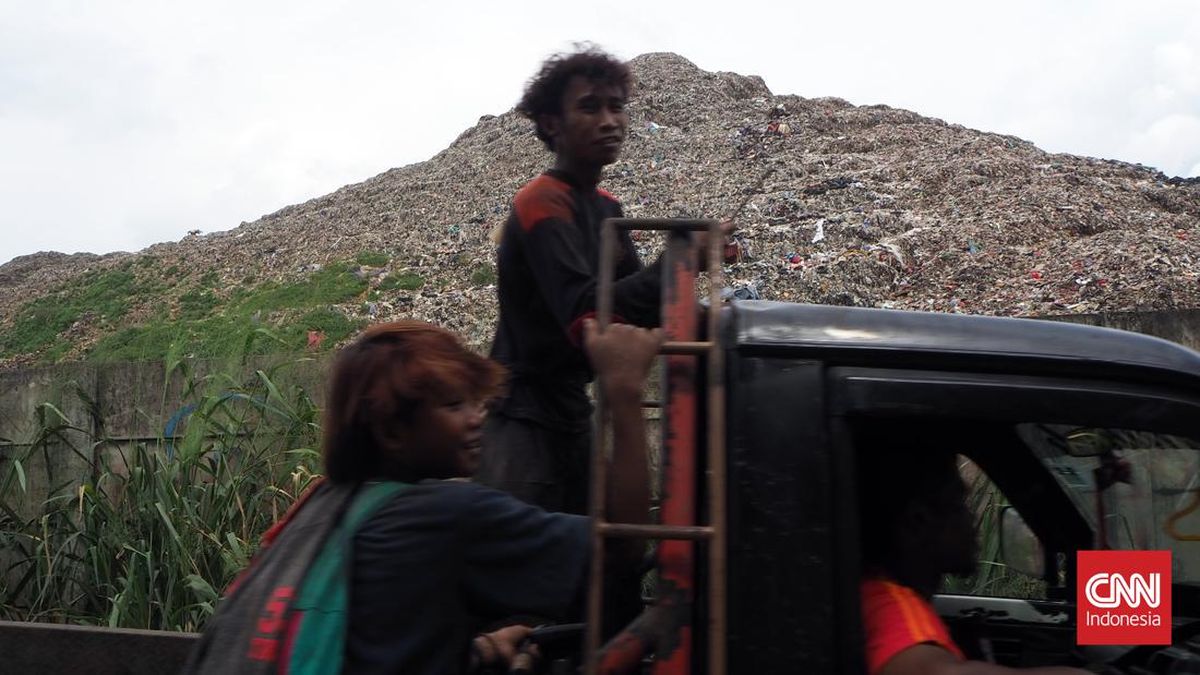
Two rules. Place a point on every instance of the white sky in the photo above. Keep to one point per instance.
(125, 123)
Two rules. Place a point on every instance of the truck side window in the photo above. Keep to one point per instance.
(992, 577)
(1137, 489)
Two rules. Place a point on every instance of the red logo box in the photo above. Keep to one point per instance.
(1124, 598)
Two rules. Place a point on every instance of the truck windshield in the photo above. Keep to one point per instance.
(1137, 489)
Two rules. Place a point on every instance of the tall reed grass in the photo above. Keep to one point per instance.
(992, 577)
(159, 527)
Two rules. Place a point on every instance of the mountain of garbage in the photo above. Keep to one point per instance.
(834, 203)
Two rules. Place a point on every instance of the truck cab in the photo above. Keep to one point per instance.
(1039, 413)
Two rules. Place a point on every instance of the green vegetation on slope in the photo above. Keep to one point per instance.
(483, 275)
(331, 285)
(264, 318)
(405, 281)
(271, 317)
(372, 259)
(101, 297)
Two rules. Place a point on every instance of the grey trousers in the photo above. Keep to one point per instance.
(537, 465)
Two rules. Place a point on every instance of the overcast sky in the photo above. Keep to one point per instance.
(126, 123)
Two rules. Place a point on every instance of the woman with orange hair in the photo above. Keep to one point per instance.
(393, 563)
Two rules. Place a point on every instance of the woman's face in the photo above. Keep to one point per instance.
(445, 437)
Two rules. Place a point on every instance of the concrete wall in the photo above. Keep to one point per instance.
(1181, 326)
(27, 395)
(107, 407)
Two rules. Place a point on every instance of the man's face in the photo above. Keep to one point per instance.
(591, 128)
(445, 437)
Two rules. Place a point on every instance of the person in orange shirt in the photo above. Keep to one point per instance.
(917, 526)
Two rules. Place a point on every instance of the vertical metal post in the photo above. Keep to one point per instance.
(680, 319)
(716, 460)
(676, 558)
(599, 475)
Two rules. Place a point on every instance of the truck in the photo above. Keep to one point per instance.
(1042, 409)
(1075, 437)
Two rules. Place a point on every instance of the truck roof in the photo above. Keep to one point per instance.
(857, 333)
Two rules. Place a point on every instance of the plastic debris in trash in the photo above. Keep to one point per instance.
(888, 248)
(736, 251)
(820, 233)
(1035, 275)
(315, 338)
(743, 292)
(972, 247)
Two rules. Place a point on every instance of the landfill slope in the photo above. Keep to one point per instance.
(834, 203)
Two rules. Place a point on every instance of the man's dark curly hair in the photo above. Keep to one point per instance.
(543, 94)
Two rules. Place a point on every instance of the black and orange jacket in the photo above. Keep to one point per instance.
(547, 274)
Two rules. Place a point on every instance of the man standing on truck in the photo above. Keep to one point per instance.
(916, 526)
(538, 439)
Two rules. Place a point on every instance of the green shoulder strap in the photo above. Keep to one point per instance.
(319, 644)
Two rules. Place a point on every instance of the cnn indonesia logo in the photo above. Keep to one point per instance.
(1124, 598)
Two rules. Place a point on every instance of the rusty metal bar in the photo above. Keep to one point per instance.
(679, 469)
(686, 348)
(681, 305)
(659, 224)
(599, 475)
(672, 532)
(716, 462)
(604, 285)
